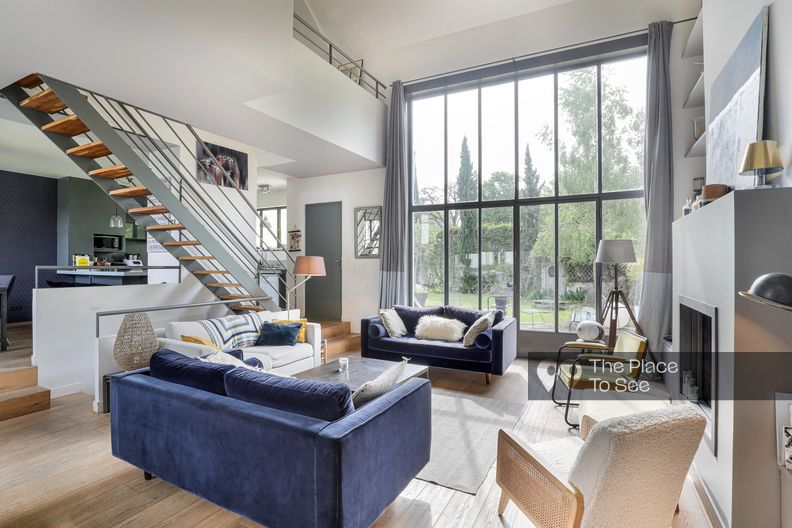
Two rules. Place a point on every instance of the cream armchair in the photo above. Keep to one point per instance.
(628, 472)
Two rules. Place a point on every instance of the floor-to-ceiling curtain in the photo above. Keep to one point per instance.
(656, 303)
(393, 235)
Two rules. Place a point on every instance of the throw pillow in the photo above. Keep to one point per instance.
(171, 366)
(410, 315)
(439, 328)
(303, 328)
(468, 316)
(392, 323)
(318, 399)
(482, 324)
(379, 385)
(234, 331)
(199, 341)
(278, 334)
(223, 358)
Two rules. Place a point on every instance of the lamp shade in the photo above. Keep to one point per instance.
(772, 289)
(615, 251)
(312, 266)
(762, 155)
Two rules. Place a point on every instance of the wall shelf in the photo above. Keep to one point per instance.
(699, 148)
(694, 47)
(696, 97)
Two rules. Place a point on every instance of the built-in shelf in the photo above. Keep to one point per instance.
(695, 43)
(696, 97)
(699, 148)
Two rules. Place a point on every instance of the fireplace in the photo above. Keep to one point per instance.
(698, 347)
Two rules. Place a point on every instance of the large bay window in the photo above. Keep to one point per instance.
(515, 180)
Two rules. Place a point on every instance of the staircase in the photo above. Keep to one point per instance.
(339, 337)
(20, 393)
(147, 164)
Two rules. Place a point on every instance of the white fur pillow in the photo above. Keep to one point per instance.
(439, 328)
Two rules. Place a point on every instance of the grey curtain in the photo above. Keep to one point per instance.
(655, 309)
(393, 240)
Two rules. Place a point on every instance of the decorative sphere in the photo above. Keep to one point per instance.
(590, 331)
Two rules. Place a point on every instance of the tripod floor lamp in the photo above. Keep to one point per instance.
(307, 267)
(616, 252)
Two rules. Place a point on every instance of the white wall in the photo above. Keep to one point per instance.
(276, 198)
(359, 277)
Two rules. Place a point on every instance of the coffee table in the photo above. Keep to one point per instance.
(360, 371)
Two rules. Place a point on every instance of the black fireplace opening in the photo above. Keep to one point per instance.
(697, 351)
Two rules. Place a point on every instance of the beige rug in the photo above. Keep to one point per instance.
(465, 438)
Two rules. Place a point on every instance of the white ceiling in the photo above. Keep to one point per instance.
(363, 27)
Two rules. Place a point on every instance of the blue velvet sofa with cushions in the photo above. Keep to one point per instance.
(206, 429)
(492, 352)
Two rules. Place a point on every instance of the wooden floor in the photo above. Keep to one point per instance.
(56, 470)
(20, 348)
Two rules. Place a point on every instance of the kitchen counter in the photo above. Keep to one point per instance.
(94, 277)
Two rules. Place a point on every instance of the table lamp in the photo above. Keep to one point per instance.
(761, 158)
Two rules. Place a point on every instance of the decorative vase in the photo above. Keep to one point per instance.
(136, 342)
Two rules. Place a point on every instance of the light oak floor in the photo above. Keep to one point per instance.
(56, 470)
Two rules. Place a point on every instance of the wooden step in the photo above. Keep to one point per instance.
(66, 126)
(343, 344)
(196, 257)
(46, 101)
(30, 81)
(131, 192)
(227, 285)
(232, 297)
(211, 272)
(248, 308)
(111, 173)
(93, 150)
(165, 227)
(18, 378)
(181, 243)
(149, 210)
(334, 328)
(18, 402)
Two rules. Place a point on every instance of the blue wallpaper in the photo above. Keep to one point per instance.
(28, 234)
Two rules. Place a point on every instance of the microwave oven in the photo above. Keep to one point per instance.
(107, 242)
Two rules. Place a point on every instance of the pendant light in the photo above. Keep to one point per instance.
(116, 221)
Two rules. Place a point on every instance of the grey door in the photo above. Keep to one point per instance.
(323, 239)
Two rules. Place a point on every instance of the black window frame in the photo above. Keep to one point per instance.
(514, 71)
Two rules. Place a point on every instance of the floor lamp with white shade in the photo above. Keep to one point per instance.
(305, 266)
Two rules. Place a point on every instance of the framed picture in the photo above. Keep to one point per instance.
(295, 238)
(367, 231)
(231, 169)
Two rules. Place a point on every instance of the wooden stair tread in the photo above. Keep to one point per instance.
(343, 343)
(131, 192)
(27, 400)
(332, 329)
(232, 297)
(181, 243)
(111, 173)
(66, 126)
(18, 378)
(249, 308)
(223, 285)
(165, 227)
(196, 257)
(30, 81)
(149, 210)
(211, 272)
(46, 101)
(93, 150)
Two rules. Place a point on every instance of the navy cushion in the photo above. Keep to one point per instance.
(177, 368)
(278, 334)
(376, 330)
(468, 316)
(412, 346)
(484, 339)
(318, 399)
(410, 315)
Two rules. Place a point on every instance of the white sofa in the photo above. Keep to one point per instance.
(283, 360)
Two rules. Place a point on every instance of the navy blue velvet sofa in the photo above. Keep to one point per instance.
(492, 353)
(274, 467)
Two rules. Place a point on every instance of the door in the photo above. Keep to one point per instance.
(323, 239)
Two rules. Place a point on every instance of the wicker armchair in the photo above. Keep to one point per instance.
(606, 480)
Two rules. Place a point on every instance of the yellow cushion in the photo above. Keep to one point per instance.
(586, 374)
(303, 328)
(588, 345)
(199, 341)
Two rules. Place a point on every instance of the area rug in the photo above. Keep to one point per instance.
(465, 438)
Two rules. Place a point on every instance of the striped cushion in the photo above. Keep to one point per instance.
(234, 331)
